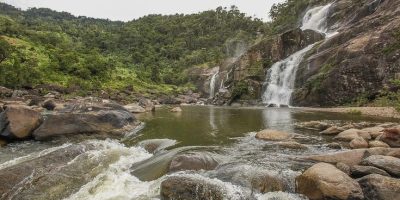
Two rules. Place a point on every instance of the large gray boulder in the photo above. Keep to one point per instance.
(387, 163)
(84, 119)
(325, 181)
(18, 122)
(378, 187)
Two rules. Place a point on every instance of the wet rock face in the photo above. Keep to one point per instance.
(378, 187)
(184, 188)
(18, 122)
(156, 145)
(249, 69)
(193, 161)
(99, 119)
(325, 181)
(357, 61)
(21, 175)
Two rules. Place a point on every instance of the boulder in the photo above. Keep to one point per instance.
(18, 122)
(272, 135)
(352, 157)
(35, 169)
(349, 135)
(388, 163)
(147, 104)
(135, 108)
(93, 122)
(391, 136)
(170, 101)
(358, 171)
(291, 145)
(33, 100)
(49, 104)
(313, 125)
(176, 109)
(5, 92)
(19, 93)
(378, 187)
(156, 145)
(343, 167)
(258, 179)
(193, 161)
(374, 131)
(334, 130)
(188, 188)
(325, 181)
(394, 153)
(376, 143)
(358, 143)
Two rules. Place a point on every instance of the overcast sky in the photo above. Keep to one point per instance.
(126, 10)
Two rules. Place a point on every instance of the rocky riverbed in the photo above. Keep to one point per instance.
(89, 148)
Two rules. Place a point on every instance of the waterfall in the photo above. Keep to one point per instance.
(281, 76)
(281, 79)
(212, 84)
(315, 19)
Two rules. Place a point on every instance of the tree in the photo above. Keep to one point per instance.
(5, 50)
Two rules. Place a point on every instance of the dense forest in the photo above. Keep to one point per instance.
(41, 46)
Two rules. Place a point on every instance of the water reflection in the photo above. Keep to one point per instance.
(278, 118)
(208, 125)
(214, 128)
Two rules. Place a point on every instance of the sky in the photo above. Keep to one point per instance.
(126, 10)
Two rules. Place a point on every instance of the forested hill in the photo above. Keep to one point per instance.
(41, 46)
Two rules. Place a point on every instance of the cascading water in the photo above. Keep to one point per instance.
(315, 19)
(281, 79)
(212, 84)
(281, 76)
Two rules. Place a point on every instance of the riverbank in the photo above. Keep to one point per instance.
(388, 112)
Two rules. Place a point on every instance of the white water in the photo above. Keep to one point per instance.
(315, 19)
(281, 79)
(281, 76)
(116, 181)
(212, 84)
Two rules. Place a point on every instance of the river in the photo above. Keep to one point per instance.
(119, 168)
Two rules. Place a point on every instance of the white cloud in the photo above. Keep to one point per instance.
(131, 9)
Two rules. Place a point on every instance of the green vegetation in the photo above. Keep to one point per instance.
(147, 55)
(150, 54)
(354, 112)
(390, 97)
(241, 88)
(393, 46)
